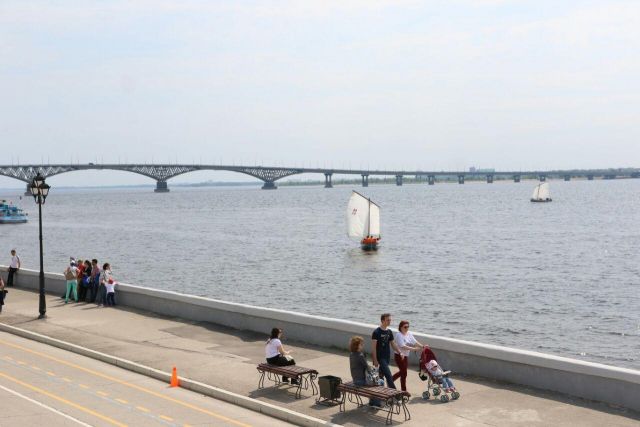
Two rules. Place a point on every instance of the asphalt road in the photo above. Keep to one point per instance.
(45, 386)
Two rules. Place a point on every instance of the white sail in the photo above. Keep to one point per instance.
(536, 191)
(541, 192)
(357, 216)
(374, 220)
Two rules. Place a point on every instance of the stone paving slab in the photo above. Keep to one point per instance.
(227, 358)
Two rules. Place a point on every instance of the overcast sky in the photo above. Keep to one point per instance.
(346, 83)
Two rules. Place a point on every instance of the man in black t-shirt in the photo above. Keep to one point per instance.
(381, 340)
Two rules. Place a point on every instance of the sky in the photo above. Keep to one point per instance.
(397, 84)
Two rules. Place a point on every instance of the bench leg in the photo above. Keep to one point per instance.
(355, 398)
(261, 380)
(314, 388)
(391, 404)
(274, 377)
(343, 402)
(407, 414)
(300, 380)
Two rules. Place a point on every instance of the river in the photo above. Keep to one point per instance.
(474, 261)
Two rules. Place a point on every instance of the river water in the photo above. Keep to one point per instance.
(475, 261)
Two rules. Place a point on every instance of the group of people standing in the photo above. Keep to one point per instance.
(88, 282)
(383, 340)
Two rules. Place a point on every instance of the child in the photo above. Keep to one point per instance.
(440, 376)
(111, 292)
(71, 274)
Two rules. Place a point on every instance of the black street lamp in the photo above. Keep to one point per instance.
(39, 190)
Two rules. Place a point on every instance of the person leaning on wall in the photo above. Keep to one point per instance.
(3, 293)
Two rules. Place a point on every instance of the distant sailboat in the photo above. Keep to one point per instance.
(541, 193)
(363, 221)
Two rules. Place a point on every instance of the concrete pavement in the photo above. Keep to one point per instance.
(44, 385)
(226, 358)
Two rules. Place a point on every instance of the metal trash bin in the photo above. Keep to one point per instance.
(329, 389)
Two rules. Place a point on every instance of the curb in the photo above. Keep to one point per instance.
(198, 387)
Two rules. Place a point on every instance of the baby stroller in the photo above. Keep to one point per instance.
(434, 384)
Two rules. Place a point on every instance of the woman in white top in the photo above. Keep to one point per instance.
(406, 343)
(277, 355)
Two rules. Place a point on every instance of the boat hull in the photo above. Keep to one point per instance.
(369, 246)
(541, 200)
(13, 220)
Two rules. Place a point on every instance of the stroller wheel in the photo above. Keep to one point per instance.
(436, 391)
(426, 395)
(455, 395)
(444, 398)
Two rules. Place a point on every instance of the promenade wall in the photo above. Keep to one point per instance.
(593, 381)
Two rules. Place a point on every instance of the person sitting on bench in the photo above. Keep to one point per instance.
(277, 355)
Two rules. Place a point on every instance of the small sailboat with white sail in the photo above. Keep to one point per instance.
(363, 221)
(541, 193)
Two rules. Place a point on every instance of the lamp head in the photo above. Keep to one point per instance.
(44, 190)
(38, 180)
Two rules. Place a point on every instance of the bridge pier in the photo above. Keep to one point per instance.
(27, 192)
(161, 187)
(567, 177)
(327, 180)
(489, 179)
(269, 185)
(365, 180)
(398, 180)
(431, 179)
(516, 178)
(460, 179)
(590, 177)
(542, 178)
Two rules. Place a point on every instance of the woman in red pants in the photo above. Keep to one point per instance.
(406, 343)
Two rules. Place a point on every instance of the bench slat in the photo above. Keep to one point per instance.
(284, 370)
(379, 392)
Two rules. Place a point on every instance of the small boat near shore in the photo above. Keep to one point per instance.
(363, 221)
(10, 214)
(541, 193)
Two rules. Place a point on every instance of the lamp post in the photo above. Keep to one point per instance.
(39, 190)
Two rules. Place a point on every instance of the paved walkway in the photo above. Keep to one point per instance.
(227, 358)
(41, 385)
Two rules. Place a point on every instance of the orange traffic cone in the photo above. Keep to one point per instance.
(174, 378)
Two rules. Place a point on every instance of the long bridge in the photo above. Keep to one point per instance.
(161, 173)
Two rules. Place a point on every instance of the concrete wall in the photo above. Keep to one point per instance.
(593, 381)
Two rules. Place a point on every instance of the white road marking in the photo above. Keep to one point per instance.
(69, 417)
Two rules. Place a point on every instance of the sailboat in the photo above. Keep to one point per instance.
(363, 221)
(541, 193)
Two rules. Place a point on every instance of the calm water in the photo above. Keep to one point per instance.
(474, 261)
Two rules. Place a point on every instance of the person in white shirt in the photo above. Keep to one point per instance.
(277, 355)
(110, 286)
(406, 343)
(14, 266)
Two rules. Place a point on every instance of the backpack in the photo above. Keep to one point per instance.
(68, 274)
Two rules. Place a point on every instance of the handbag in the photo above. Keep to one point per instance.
(85, 281)
(372, 375)
(288, 357)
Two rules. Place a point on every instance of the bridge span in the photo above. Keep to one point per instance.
(161, 173)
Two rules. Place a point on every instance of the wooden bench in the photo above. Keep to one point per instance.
(304, 376)
(392, 399)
